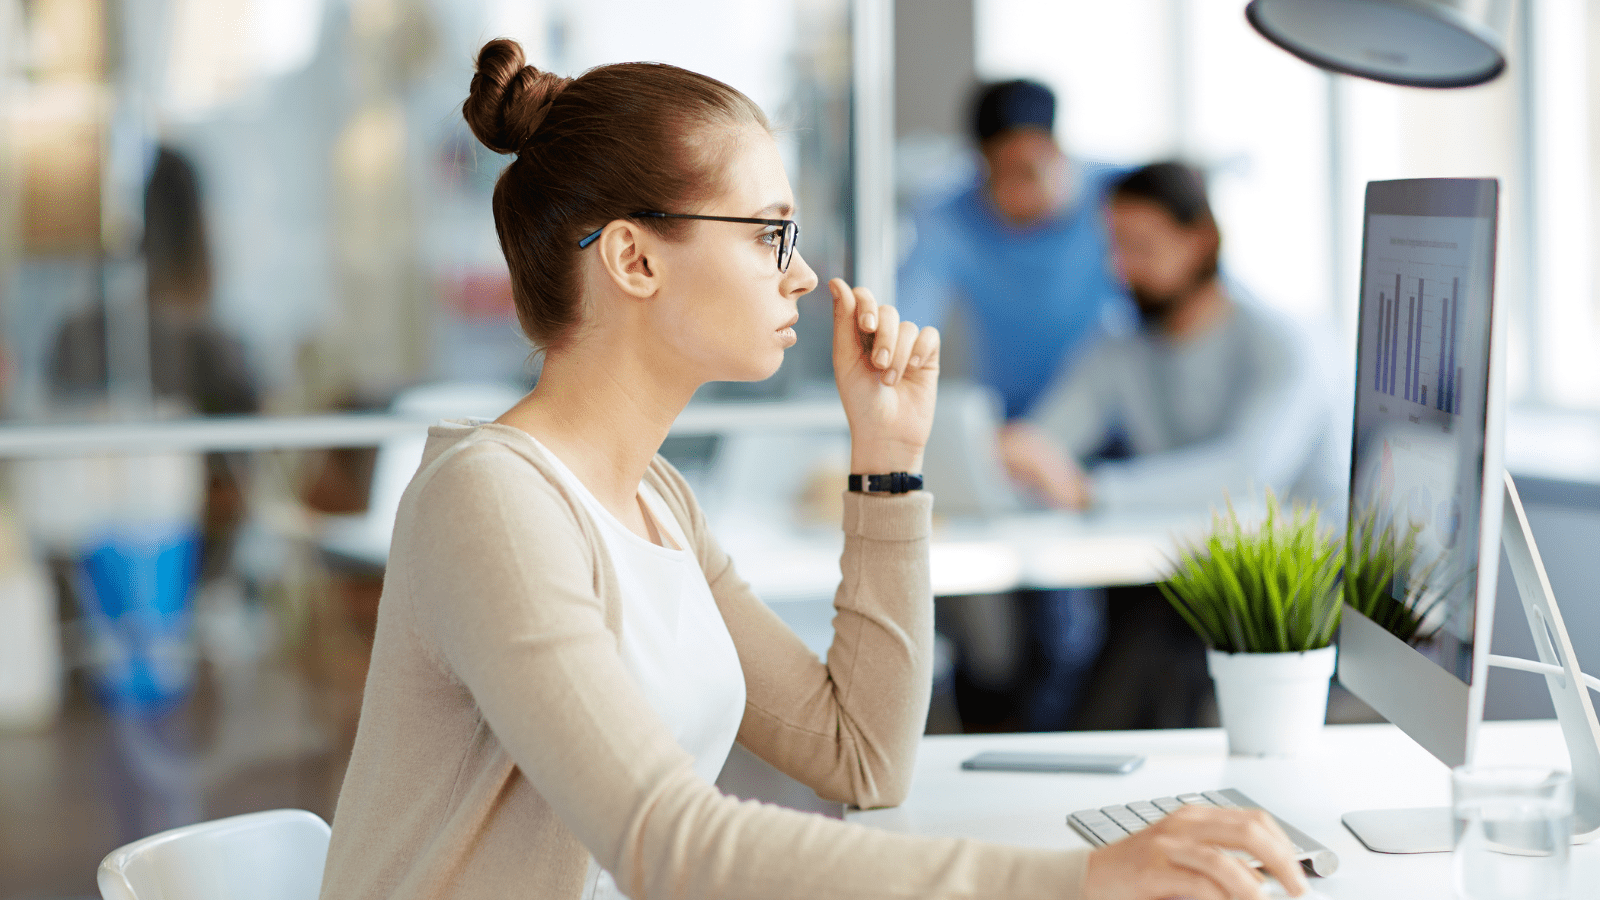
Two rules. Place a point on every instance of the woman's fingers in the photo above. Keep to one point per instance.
(844, 314)
(888, 345)
(866, 310)
(1195, 853)
(1217, 865)
(1251, 830)
(885, 338)
(902, 353)
(925, 350)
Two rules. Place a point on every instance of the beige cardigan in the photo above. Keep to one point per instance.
(501, 740)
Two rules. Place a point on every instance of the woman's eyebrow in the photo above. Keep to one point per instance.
(783, 210)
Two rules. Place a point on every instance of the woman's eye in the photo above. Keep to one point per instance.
(770, 237)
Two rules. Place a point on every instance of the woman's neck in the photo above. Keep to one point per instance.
(605, 415)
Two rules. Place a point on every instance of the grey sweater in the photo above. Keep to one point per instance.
(1246, 405)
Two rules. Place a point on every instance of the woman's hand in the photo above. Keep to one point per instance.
(888, 374)
(1035, 460)
(1190, 854)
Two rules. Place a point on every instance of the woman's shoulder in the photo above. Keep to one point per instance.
(486, 465)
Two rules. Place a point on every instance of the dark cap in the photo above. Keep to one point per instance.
(1014, 104)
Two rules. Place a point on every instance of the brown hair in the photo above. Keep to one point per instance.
(617, 140)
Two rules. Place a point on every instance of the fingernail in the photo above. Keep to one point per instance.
(890, 377)
(913, 362)
(881, 358)
(869, 322)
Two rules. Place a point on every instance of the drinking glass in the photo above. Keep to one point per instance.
(1513, 832)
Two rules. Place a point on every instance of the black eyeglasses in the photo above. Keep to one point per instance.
(788, 233)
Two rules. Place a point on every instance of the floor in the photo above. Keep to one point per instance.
(268, 724)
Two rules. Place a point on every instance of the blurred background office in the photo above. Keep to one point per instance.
(268, 213)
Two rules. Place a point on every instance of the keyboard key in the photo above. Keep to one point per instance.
(1167, 804)
(1146, 810)
(1092, 817)
(1195, 800)
(1108, 832)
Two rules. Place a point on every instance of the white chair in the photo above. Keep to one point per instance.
(273, 855)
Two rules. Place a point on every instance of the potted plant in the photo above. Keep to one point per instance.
(1265, 599)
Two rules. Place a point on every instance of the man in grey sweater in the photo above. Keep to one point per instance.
(1214, 394)
(1213, 397)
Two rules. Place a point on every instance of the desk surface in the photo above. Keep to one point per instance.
(1353, 767)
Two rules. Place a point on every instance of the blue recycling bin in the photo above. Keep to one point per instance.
(136, 589)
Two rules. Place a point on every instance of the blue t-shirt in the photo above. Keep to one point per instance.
(1031, 295)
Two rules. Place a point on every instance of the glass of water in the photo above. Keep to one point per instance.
(1513, 832)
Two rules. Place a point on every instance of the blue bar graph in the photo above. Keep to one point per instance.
(1394, 333)
(1411, 342)
(1452, 401)
(1416, 356)
(1382, 356)
(1386, 336)
(1439, 392)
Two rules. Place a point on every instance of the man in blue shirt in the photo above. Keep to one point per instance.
(1023, 249)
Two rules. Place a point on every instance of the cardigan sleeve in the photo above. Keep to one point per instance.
(507, 597)
(849, 727)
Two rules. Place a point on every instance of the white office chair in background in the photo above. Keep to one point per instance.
(273, 855)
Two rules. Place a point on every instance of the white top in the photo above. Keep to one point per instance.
(674, 641)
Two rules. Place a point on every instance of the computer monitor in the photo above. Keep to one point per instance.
(1429, 495)
(1426, 462)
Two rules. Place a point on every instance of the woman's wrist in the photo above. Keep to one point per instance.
(883, 458)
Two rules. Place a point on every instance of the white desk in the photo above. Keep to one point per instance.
(1354, 767)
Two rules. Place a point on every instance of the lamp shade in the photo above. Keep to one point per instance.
(1419, 43)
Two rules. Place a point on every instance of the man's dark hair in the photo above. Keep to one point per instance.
(1178, 188)
(1006, 105)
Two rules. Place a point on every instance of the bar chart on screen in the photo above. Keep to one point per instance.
(1416, 339)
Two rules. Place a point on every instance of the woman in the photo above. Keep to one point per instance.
(564, 656)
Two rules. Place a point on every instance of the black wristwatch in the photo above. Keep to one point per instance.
(892, 483)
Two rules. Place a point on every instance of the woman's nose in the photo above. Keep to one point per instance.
(801, 278)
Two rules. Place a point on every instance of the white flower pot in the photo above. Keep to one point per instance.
(1272, 704)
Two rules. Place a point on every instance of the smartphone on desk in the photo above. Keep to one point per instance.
(1009, 761)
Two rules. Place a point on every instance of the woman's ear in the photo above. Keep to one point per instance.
(625, 252)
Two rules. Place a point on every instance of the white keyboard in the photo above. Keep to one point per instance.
(1111, 823)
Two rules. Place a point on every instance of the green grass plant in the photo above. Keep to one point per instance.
(1271, 588)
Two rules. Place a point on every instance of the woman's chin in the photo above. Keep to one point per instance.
(758, 370)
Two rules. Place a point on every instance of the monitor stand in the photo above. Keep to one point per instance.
(1431, 830)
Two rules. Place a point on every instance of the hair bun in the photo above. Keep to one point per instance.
(508, 99)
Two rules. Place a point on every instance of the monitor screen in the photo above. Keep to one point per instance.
(1417, 470)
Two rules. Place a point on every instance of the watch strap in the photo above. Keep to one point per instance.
(891, 483)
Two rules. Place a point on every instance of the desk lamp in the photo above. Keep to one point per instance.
(1416, 43)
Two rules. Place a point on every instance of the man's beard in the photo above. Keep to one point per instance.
(1155, 310)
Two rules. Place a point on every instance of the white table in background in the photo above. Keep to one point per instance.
(796, 570)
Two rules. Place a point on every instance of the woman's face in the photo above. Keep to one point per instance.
(724, 308)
